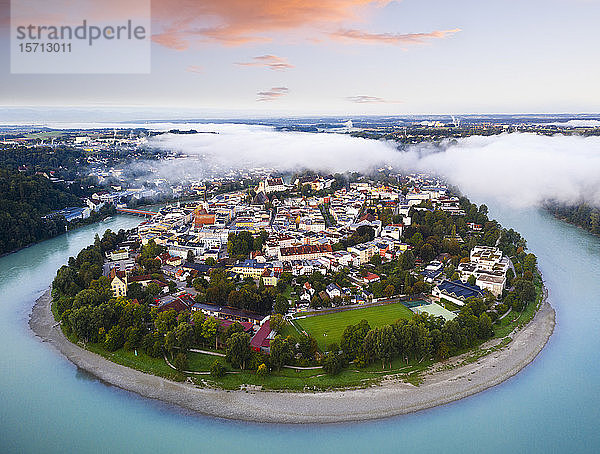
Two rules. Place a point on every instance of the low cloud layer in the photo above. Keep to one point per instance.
(520, 170)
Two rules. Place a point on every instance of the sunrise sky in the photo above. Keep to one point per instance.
(344, 57)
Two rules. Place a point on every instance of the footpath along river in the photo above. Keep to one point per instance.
(47, 404)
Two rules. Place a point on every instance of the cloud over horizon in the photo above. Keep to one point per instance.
(272, 94)
(518, 169)
(364, 99)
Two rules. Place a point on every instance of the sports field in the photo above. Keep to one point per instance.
(328, 328)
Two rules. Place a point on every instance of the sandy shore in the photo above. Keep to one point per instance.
(388, 399)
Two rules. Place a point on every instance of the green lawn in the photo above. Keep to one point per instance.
(328, 328)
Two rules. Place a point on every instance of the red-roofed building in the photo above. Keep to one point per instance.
(261, 340)
(371, 277)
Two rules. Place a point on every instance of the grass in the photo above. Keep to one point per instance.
(141, 362)
(328, 328)
(518, 319)
(333, 325)
(308, 380)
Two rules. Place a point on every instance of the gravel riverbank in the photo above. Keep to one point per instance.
(444, 384)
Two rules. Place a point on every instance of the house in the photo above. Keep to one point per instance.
(118, 282)
(334, 290)
(305, 252)
(432, 271)
(364, 251)
(119, 254)
(261, 341)
(370, 278)
(456, 291)
(251, 268)
(392, 231)
(142, 280)
(269, 185)
(493, 282)
(270, 278)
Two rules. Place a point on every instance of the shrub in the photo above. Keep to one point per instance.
(181, 361)
(217, 370)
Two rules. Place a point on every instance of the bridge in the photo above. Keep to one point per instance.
(136, 212)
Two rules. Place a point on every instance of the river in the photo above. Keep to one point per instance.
(47, 405)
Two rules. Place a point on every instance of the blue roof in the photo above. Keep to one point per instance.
(460, 289)
(252, 263)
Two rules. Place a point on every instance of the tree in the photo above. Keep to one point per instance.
(209, 330)
(190, 256)
(407, 261)
(217, 370)
(198, 318)
(389, 291)
(170, 343)
(184, 333)
(353, 337)
(114, 339)
(334, 361)
(485, 326)
(315, 301)
(165, 321)
(525, 290)
(282, 305)
(384, 346)
(277, 323)
(471, 279)
(262, 371)
(281, 351)
(376, 260)
(181, 362)
(238, 350)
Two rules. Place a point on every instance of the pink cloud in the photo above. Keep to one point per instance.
(391, 38)
(194, 69)
(268, 61)
(234, 22)
(363, 99)
(272, 94)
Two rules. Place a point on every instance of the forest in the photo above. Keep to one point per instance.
(582, 214)
(24, 201)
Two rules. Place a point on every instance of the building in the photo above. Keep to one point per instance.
(118, 282)
(269, 185)
(305, 252)
(393, 231)
(261, 341)
(120, 254)
(364, 251)
(493, 282)
(456, 292)
(333, 290)
(251, 268)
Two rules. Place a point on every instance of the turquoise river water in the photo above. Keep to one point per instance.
(553, 405)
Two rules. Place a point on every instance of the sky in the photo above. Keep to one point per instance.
(341, 57)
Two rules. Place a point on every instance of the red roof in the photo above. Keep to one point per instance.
(260, 338)
(227, 323)
(144, 278)
(371, 277)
